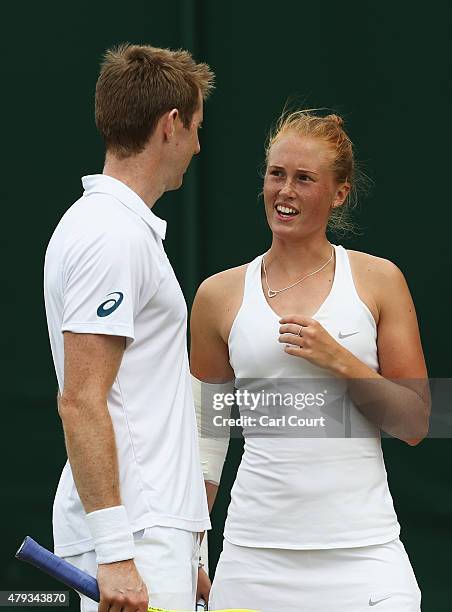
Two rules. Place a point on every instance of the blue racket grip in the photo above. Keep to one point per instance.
(60, 569)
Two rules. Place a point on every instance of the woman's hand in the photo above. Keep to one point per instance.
(204, 585)
(305, 337)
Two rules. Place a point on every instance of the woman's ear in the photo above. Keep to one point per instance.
(342, 192)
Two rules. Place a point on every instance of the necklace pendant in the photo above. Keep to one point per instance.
(271, 293)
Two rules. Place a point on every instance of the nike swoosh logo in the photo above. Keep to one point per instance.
(112, 304)
(342, 336)
(377, 601)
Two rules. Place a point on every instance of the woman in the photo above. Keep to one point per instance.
(311, 524)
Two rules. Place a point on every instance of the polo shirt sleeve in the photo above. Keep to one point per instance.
(105, 279)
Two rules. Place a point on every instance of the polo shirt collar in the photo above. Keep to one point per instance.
(101, 183)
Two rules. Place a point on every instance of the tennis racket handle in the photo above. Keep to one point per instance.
(70, 575)
(58, 568)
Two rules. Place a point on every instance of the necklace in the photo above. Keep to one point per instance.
(272, 292)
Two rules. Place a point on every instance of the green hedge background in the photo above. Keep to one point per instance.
(385, 66)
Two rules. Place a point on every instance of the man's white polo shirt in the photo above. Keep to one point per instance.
(106, 272)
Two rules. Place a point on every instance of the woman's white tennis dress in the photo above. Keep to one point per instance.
(311, 526)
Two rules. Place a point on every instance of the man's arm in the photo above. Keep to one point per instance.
(91, 363)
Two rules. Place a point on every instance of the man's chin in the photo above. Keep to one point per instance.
(175, 185)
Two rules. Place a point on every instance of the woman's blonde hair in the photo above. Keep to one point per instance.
(330, 129)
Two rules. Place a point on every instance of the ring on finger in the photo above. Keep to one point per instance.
(299, 331)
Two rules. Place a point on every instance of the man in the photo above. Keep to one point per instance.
(131, 500)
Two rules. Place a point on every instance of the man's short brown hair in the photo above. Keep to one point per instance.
(137, 85)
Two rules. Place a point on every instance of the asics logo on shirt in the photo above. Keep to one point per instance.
(109, 306)
(377, 601)
(342, 336)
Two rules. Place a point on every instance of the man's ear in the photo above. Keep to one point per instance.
(169, 123)
(342, 192)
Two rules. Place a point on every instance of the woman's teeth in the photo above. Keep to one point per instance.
(286, 211)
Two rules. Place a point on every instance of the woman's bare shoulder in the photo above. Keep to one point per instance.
(375, 278)
(379, 267)
(218, 299)
(223, 283)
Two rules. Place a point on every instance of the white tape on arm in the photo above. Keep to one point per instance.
(112, 534)
(212, 449)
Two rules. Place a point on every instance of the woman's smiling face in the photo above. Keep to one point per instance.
(299, 185)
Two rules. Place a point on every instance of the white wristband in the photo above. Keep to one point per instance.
(112, 534)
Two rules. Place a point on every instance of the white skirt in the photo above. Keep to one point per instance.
(330, 580)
